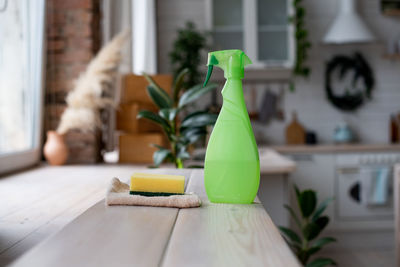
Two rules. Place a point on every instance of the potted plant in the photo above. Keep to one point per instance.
(310, 225)
(186, 53)
(180, 133)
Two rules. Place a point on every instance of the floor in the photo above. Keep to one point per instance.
(39, 202)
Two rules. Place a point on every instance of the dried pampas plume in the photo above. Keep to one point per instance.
(89, 94)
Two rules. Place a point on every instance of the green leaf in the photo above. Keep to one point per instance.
(294, 216)
(320, 262)
(308, 201)
(178, 85)
(160, 155)
(154, 118)
(323, 241)
(317, 245)
(194, 93)
(168, 114)
(191, 135)
(312, 250)
(311, 231)
(321, 208)
(322, 222)
(161, 92)
(199, 119)
(290, 234)
(183, 154)
(158, 99)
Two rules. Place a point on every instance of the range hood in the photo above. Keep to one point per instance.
(348, 27)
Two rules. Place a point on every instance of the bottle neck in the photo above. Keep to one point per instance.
(233, 90)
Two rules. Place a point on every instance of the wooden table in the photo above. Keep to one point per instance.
(213, 235)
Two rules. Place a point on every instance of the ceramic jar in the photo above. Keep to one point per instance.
(55, 150)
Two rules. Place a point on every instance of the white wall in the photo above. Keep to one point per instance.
(370, 122)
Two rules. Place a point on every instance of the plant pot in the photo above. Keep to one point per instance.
(55, 150)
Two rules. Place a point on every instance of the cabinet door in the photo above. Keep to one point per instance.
(316, 172)
(274, 42)
(259, 27)
(227, 24)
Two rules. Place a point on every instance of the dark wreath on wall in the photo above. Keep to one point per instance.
(352, 98)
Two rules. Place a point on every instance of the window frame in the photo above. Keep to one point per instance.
(22, 159)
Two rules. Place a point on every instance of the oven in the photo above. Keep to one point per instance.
(364, 187)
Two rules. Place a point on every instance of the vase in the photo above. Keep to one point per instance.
(55, 150)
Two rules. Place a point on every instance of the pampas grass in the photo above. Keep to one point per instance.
(91, 89)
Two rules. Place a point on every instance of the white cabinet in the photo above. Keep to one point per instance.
(316, 172)
(259, 27)
(352, 223)
(274, 194)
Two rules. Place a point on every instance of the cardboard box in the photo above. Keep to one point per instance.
(134, 87)
(136, 148)
(127, 121)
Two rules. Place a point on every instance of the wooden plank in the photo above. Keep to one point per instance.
(58, 188)
(51, 227)
(225, 235)
(105, 236)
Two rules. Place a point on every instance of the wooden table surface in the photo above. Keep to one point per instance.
(212, 235)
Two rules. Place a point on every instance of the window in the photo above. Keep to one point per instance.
(21, 62)
(259, 27)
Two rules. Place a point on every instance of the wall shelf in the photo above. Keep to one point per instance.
(252, 75)
(392, 56)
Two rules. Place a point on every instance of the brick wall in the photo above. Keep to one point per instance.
(73, 38)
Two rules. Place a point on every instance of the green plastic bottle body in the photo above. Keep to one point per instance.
(232, 165)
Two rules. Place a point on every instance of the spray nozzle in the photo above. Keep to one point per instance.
(211, 62)
(232, 62)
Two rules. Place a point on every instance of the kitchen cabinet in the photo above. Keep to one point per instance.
(355, 223)
(259, 27)
(314, 171)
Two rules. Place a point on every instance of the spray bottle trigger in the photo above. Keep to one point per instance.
(246, 60)
(210, 69)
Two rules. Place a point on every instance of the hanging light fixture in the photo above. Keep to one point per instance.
(348, 27)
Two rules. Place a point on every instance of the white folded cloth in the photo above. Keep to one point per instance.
(118, 194)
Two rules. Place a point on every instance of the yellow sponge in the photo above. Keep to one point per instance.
(148, 184)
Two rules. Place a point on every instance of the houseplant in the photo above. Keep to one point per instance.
(186, 53)
(302, 42)
(180, 133)
(310, 225)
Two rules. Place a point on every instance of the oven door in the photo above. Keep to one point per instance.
(364, 193)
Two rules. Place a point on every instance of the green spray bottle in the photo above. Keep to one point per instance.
(232, 165)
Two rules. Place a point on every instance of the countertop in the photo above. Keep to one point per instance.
(271, 162)
(331, 148)
(211, 235)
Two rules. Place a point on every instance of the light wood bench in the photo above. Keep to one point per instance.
(212, 235)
